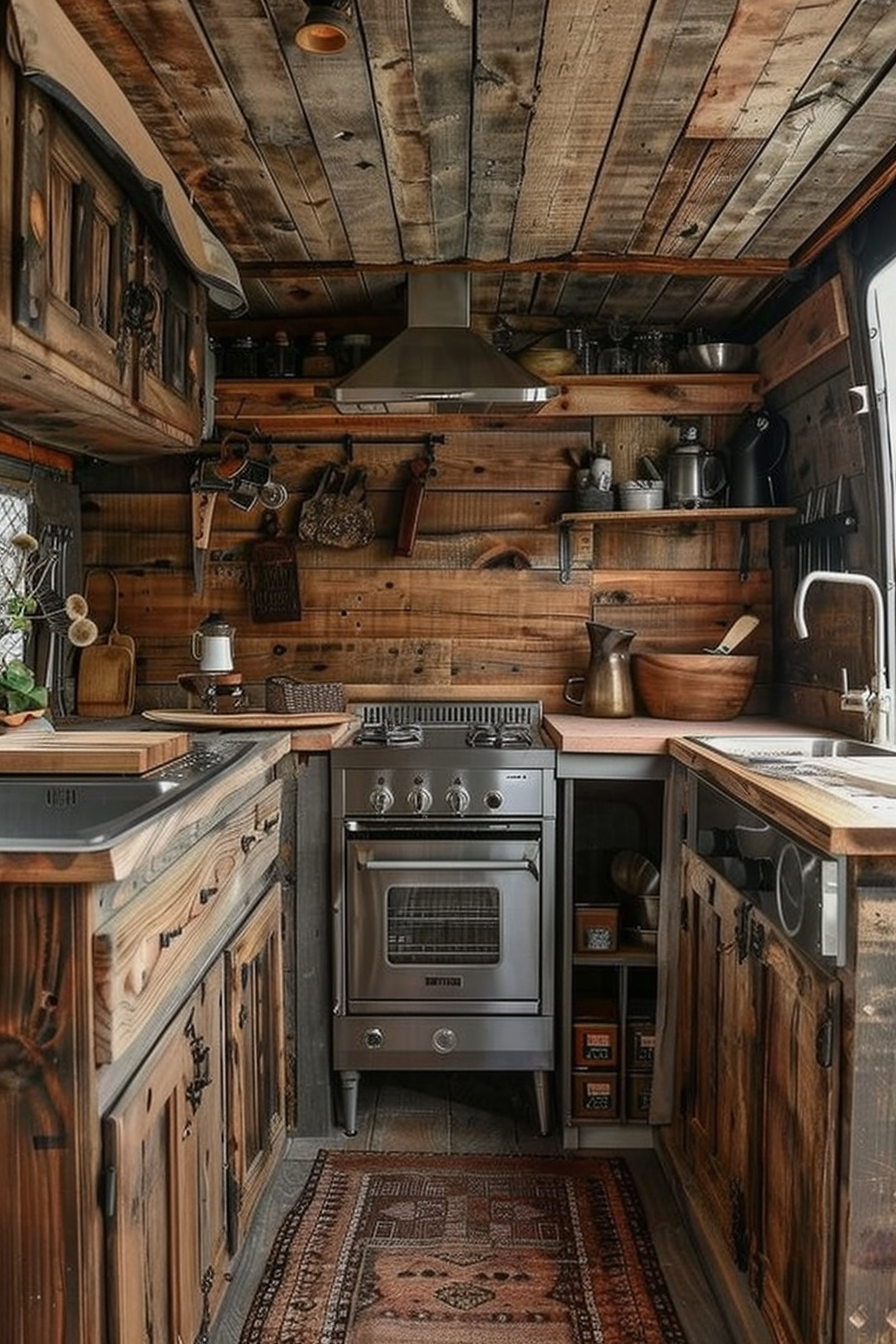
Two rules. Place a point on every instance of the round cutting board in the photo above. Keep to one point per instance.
(199, 718)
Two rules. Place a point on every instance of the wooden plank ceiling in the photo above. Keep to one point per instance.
(665, 161)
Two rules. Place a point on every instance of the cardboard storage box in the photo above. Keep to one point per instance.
(637, 1097)
(595, 1095)
(595, 1039)
(596, 928)
(641, 1043)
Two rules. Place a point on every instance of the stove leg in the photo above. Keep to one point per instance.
(542, 1100)
(349, 1079)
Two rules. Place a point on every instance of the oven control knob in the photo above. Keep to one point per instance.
(381, 799)
(493, 800)
(419, 799)
(373, 1038)
(444, 1040)
(457, 798)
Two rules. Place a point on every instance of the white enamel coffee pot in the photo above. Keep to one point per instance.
(212, 644)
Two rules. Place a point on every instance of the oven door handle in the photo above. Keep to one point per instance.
(449, 865)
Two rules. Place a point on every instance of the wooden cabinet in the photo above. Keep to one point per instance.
(102, 328)
(757, 1064)
(141, 1090)
(608, 1009)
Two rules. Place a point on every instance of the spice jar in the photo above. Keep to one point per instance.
(280, 359)
(318, 363)
(242, 358)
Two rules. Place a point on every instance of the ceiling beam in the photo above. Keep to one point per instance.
(758, 267)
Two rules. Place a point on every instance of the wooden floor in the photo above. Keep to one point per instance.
(462, 1113)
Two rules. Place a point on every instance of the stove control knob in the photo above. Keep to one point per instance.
(457, 798)
(493, 800)
(373, 1038)
(419, 799)
(381, 799)
(444, 1040)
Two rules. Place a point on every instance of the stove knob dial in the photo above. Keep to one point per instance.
(493, 800)
(419, 800)
(381, 799)
(457, 798)
(373, 1038)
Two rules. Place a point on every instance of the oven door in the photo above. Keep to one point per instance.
(450, 915)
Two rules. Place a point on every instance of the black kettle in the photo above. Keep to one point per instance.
(753, 454)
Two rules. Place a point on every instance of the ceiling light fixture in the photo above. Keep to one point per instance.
(327, 28)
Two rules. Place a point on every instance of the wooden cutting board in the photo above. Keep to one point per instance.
(89, 753)
(259, 719)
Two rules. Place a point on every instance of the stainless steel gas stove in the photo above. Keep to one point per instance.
(444, 849)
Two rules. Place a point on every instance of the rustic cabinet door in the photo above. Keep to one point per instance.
(166, 1208)
(718, 1057)
(255, 1058)
(758, 1085)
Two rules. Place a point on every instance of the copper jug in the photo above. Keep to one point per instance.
(607, 691)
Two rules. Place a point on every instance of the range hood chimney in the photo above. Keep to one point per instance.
(439, 365)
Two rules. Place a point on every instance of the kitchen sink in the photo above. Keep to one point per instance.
(84, 812)
(753, 750)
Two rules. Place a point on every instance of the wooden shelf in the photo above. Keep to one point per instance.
(272, 405)
(624, 516)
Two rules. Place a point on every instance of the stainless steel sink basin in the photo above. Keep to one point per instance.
(79, 812)
(753, 750)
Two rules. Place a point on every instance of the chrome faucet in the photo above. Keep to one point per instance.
(874, 701)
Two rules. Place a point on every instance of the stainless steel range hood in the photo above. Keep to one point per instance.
(439, 365)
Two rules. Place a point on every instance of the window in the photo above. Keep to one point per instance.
(881, 318)
(14, 517)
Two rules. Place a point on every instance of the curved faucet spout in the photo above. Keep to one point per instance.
(873, 701)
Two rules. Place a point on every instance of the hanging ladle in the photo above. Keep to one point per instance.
(735, 634)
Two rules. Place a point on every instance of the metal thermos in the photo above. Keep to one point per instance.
(695, 476)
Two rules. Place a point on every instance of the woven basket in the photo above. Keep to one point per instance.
(284, 695)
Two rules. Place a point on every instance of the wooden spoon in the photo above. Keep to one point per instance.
(735, 634)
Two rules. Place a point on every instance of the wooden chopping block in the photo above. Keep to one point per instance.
(89, 753)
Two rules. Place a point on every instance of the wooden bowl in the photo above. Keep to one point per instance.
(703, 686)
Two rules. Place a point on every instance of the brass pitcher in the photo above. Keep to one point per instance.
(607, 691)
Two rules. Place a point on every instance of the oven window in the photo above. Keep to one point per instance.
(450, 926)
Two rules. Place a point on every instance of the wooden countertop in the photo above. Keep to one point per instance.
(824, 821)
(579, 732)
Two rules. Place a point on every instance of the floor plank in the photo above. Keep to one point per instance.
(465, 1113)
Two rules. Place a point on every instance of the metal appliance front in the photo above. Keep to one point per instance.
(438, 917)
(801, 890)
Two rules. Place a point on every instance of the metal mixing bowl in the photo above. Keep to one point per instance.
(715, 357)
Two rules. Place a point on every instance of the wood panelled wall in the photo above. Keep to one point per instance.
(479, 603)
(828, 439)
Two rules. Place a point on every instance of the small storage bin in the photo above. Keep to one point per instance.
(284, 695)
(641, 1043)
(595, 1045)
(638, 1091)
(596, 928)
(595, 1096)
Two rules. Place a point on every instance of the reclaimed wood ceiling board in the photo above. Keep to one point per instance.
(669, 161)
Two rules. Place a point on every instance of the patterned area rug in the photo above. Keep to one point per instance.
(385, 1248)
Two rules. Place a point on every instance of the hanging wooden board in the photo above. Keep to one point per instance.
(274, 575)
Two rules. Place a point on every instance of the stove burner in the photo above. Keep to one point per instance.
(498, 735)
(388, 734)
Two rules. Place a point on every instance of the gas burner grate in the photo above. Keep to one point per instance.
(498, 735)
(389, 734)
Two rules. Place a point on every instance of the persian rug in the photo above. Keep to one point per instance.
(385, 1248)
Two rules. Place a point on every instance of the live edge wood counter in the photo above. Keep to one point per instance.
(142, 1097)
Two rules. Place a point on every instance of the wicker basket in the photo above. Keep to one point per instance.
(284, 695)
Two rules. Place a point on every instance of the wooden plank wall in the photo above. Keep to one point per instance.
(479, 603)
(827, 439)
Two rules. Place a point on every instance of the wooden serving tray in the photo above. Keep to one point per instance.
(202, 718)
(89, 753)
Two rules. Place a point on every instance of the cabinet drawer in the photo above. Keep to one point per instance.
(149, 953)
